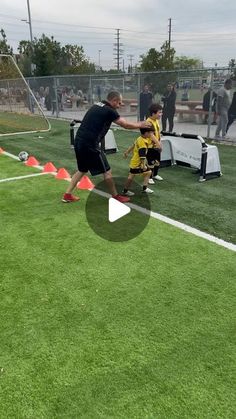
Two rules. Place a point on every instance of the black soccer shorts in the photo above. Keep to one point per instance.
(92, 160)
(153, 156)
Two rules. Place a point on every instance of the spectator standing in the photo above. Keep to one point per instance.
(169, 100)
(145, 101)
(206, 105)
(231, 112)
(48, 99)
(222, 107)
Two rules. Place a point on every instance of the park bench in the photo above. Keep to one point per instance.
(133, 106)
(198, 114)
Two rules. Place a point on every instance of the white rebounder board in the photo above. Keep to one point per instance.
(110, 142)
(193, 152)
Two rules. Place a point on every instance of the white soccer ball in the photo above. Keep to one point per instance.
(23, 156)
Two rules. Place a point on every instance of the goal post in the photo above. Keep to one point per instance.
(20, 111)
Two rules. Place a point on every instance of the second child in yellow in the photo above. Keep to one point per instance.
(138, 162)
(154, 154)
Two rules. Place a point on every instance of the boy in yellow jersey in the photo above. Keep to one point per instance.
(154, 146)
(138, 162)
(154, 152)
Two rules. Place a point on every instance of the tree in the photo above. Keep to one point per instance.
(75, 61)
(25, 57)
(7, 70)
(158, 61)
(167, 57)
(187, 63)
(4, 47)
(53, 59)
(232, 67)
(47, 56)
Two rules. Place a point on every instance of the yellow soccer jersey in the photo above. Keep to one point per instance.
(156, 125)
(140, 143)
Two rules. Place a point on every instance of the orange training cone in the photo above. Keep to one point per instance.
(49, 168)
(31, 161)
(85, 183)
(1, 150)
(62, 174)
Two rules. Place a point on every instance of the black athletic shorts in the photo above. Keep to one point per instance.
(138, 170)
(92, 160)
(153, 156)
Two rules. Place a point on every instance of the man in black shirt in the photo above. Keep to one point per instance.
(91, 132)
(168, 99)
(145, 101)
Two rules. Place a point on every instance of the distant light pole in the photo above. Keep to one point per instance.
(29, 22)
(31, 32)
(131, 56)
(99, 57)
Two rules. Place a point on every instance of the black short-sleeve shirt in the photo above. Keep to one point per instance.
(95, 124)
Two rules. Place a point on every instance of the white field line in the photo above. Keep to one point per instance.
(160, 217)
(22, 177)
(17, 158)
(176, 224)
(25, 176)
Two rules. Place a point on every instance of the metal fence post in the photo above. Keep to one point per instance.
(90, 93)
(210, 105)
(138, 96)
(56, 96)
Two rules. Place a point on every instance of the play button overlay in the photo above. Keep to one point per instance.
(117, 210)
(113, 220)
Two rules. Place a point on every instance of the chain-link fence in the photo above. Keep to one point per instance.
(19, 109)
(70, 96)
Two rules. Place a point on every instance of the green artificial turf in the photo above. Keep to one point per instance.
(96, 329)
(208, 206)
(12, 168)
(11, 122)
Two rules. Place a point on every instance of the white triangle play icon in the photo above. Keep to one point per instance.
(116, 210)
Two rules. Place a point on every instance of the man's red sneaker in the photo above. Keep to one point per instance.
(121, 198)
(68, 197)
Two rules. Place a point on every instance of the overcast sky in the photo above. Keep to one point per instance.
(203, 29)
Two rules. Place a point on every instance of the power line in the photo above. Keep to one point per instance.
(78, 26)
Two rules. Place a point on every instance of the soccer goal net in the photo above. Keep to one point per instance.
(20, 112)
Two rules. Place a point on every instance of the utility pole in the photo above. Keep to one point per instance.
(30, 23)
(99, 58)
(169, 31)
(118, 50)
(131, 56)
